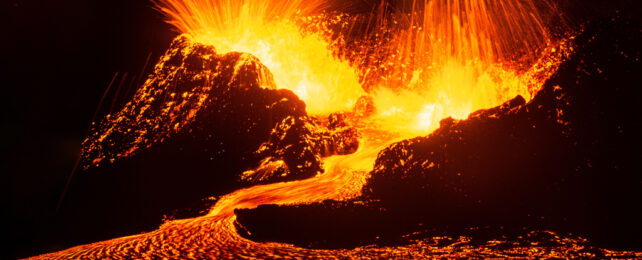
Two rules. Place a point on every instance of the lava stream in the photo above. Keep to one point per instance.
(343, 178)
(450, 66)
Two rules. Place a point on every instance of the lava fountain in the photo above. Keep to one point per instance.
(460, 56)
(268, 30)
(447, 58)
(455, 57)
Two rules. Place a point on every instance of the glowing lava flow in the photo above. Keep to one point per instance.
(344, 177)
(453, 54)
(454, 59)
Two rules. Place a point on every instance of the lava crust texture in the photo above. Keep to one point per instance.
(566, 161)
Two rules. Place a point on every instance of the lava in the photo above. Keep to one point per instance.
(446, 59)
(268, 30)
(460, 56)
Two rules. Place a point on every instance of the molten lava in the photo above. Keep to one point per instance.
(446, 59)
(461, 56)
(452, 58)
(268, 30)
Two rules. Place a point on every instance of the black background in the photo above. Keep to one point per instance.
(58, 58)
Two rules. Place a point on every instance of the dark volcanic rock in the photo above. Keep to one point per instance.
(296, 145)
(567, 161)
(223, 103)
(329, 224)
(199, 121)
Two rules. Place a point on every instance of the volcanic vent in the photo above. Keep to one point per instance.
(432, 128)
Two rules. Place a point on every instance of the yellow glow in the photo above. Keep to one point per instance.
(459, 57)
(266, 28)
(455, 57)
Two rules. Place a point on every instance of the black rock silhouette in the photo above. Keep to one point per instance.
(567, 161)
(192, 131)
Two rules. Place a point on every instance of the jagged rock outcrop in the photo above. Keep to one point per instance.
(296, 146)
(566, 161)
(227, 103)
(199, 121)
(217, 104)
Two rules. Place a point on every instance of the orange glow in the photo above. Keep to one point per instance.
(267, 29)
(453, 58)
(458, 57)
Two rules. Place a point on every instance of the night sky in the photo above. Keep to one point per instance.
(59, 57)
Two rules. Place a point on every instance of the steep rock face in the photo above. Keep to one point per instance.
(199, 121)
(567, 161)
(222, 101)
(217, 104)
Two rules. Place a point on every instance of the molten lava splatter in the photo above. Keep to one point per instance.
(460, 56)
(450, 59)
(268, 30)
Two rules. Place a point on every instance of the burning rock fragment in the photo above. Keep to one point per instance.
(364, 107)
(296, 146)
